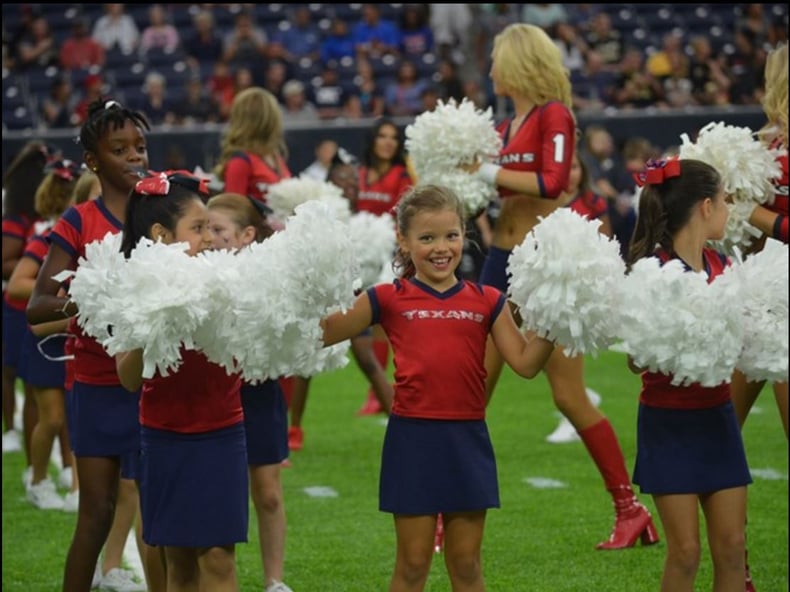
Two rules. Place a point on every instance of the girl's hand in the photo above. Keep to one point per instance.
(471, 167)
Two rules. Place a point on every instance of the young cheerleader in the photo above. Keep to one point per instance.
(193, 473)
(437, 455)
(106, 429)
(237, 221)
(689, 448)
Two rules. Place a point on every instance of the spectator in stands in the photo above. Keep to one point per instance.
(636, 88)
(416, 36)
(451, 25)
(709, 84)
(744, 69)
(670, 59)
(242, 79)
(58, 106)
(80, 50)
(606, 40)
(545, 16)
(448, 82)
(404, 95)
(197, 105)
(296, 106)
(328, 94)
(592, 86)
(159, 34)
(203, 44)
(301, 40)
(367, 98)
(571, 45)
(493, 19)
(94, 90)
(430, 98)
(155, 103)
(275, 76)
(325, 151)
(246, 44)
(338, 43)
(475, 92)
(599, 154)
(38, 48)
(27, 14)
(755, 21)
(115, 28)
(374, 36)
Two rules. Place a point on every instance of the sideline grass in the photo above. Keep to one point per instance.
(540, 540)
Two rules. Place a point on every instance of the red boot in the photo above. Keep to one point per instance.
(749, 584)
(438, 537)
(632, 522)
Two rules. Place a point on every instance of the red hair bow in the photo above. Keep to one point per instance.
(658, 171)
(68, 170)
(159, 183)
(154, 185)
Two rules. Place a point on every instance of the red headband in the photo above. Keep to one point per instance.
(658, 171)
(159, 184)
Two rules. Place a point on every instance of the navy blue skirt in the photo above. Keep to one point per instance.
(105, 420)
(14, 326)
(265, 423)
(40, 370)
(494, 272)
(689, 450)
(430, 466)
(193, 488)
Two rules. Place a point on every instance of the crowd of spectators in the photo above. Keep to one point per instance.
(182, 63)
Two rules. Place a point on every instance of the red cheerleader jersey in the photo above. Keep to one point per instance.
(589, 205)
(657, 390)
(543, 144)
(80, 225)
(780, 205)
(248, 174)
(199, 397)
(383, 195)
(439, 343)
(21, 228)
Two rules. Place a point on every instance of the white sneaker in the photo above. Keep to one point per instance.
(276, 586)
(71, 502)
(66, 478)
(43, 495)
(12, 442)
(121, 580)
(564, 433)
(27, 477)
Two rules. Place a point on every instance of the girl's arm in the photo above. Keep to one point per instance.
(12, 251)
(51, 328)
(633, 367)
(340, 326)
(23, 278)
(45, 304)
(129, 366)
(526, 356)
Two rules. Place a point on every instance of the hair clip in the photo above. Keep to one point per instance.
(111, 103)
(658, 171)
(262, 208)
(68, 170)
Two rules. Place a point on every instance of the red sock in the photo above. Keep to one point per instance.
(602, 444)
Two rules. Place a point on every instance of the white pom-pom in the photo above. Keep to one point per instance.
(672, 321)
(374, 242)
(283, 197)
(288, 284)
(452, 134)
(563, 278)
(760, 287)
(93, 283)
(747, 168)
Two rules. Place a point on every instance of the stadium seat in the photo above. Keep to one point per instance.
(18, 118)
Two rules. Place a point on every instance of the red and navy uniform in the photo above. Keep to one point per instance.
(199, 397)
(20, 228)
(383, 195)
(780, 205)
(543, 144)
(451, 326)
(249, 174)
(657, 388)
(80, 225)
(590, 205)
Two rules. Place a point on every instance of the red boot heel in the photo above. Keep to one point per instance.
(649, 535)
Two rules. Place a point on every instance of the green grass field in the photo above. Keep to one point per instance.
(539, 540)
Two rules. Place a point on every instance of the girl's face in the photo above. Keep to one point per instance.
(346, 176)
(718, 217)
(193, 228)
(120, 157)
(225, 232)
(435, 242)
(575, 178)
(385, 146)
